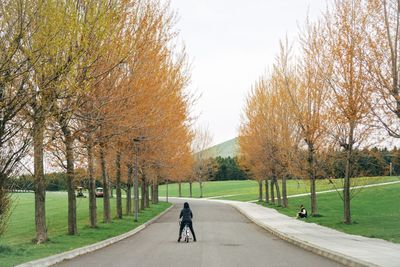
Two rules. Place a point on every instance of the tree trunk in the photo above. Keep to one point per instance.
(311, 174)
(136, 188)
(106, 191)
(284, 193)
(69, 141)
(154, 192)
(190, 189)
(147, 200)
(201, 186)
(201, 189)
(278, 192)
(92, 186)
(347, 176)
(266, 191)
(110, 186)
(129, 191)
(180, 188)
(272, 191)
(118, 185)
(40, 183)
(143, 193)
(346, 192)
(157, 195)
(260, 191)
(167, 192)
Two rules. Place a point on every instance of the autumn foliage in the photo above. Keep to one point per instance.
(333, 95)
(102, 84)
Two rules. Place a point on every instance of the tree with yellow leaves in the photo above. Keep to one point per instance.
(56, 31)
(346, 76)
(252, 135)
(268, 134)
(307, 94)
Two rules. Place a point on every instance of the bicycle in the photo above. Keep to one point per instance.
(185, 233)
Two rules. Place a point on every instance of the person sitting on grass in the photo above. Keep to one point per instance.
(302, 213)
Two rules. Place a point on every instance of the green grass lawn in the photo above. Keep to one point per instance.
(16, 244)
(375, 212)
(248, 190)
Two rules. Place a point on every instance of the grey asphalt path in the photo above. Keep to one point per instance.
(224, 238)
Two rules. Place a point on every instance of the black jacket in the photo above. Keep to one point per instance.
(186, 213)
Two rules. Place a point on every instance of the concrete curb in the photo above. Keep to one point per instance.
(333, 255)
(54, 259)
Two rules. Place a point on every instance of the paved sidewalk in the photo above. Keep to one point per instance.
(351, 250)
(216, 197)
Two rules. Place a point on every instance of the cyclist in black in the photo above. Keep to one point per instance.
(186, 215)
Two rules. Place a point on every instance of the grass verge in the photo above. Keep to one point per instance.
(16, 244)
(375, 212)
(248, 190)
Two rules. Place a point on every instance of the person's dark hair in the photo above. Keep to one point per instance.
(185, 205)
(301, 206)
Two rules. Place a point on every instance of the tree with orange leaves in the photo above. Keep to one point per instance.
(306, 91)
(268, 135)
(252, 139)
(344, 71)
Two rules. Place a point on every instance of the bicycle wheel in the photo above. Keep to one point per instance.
(187, 235)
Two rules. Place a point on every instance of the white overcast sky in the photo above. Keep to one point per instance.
(230, 43)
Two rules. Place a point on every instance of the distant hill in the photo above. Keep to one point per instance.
(226, 149)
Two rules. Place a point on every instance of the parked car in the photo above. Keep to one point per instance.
(99, 192)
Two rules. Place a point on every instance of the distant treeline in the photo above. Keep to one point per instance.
(368, 162)
(226, 169)
(56, 181)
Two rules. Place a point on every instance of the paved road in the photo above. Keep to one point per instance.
(224, 238)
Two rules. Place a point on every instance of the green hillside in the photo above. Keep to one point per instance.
(226, 149)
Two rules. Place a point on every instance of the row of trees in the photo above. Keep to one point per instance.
(55, 181)
(334, 96)
(94, 85)
(367, 161)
